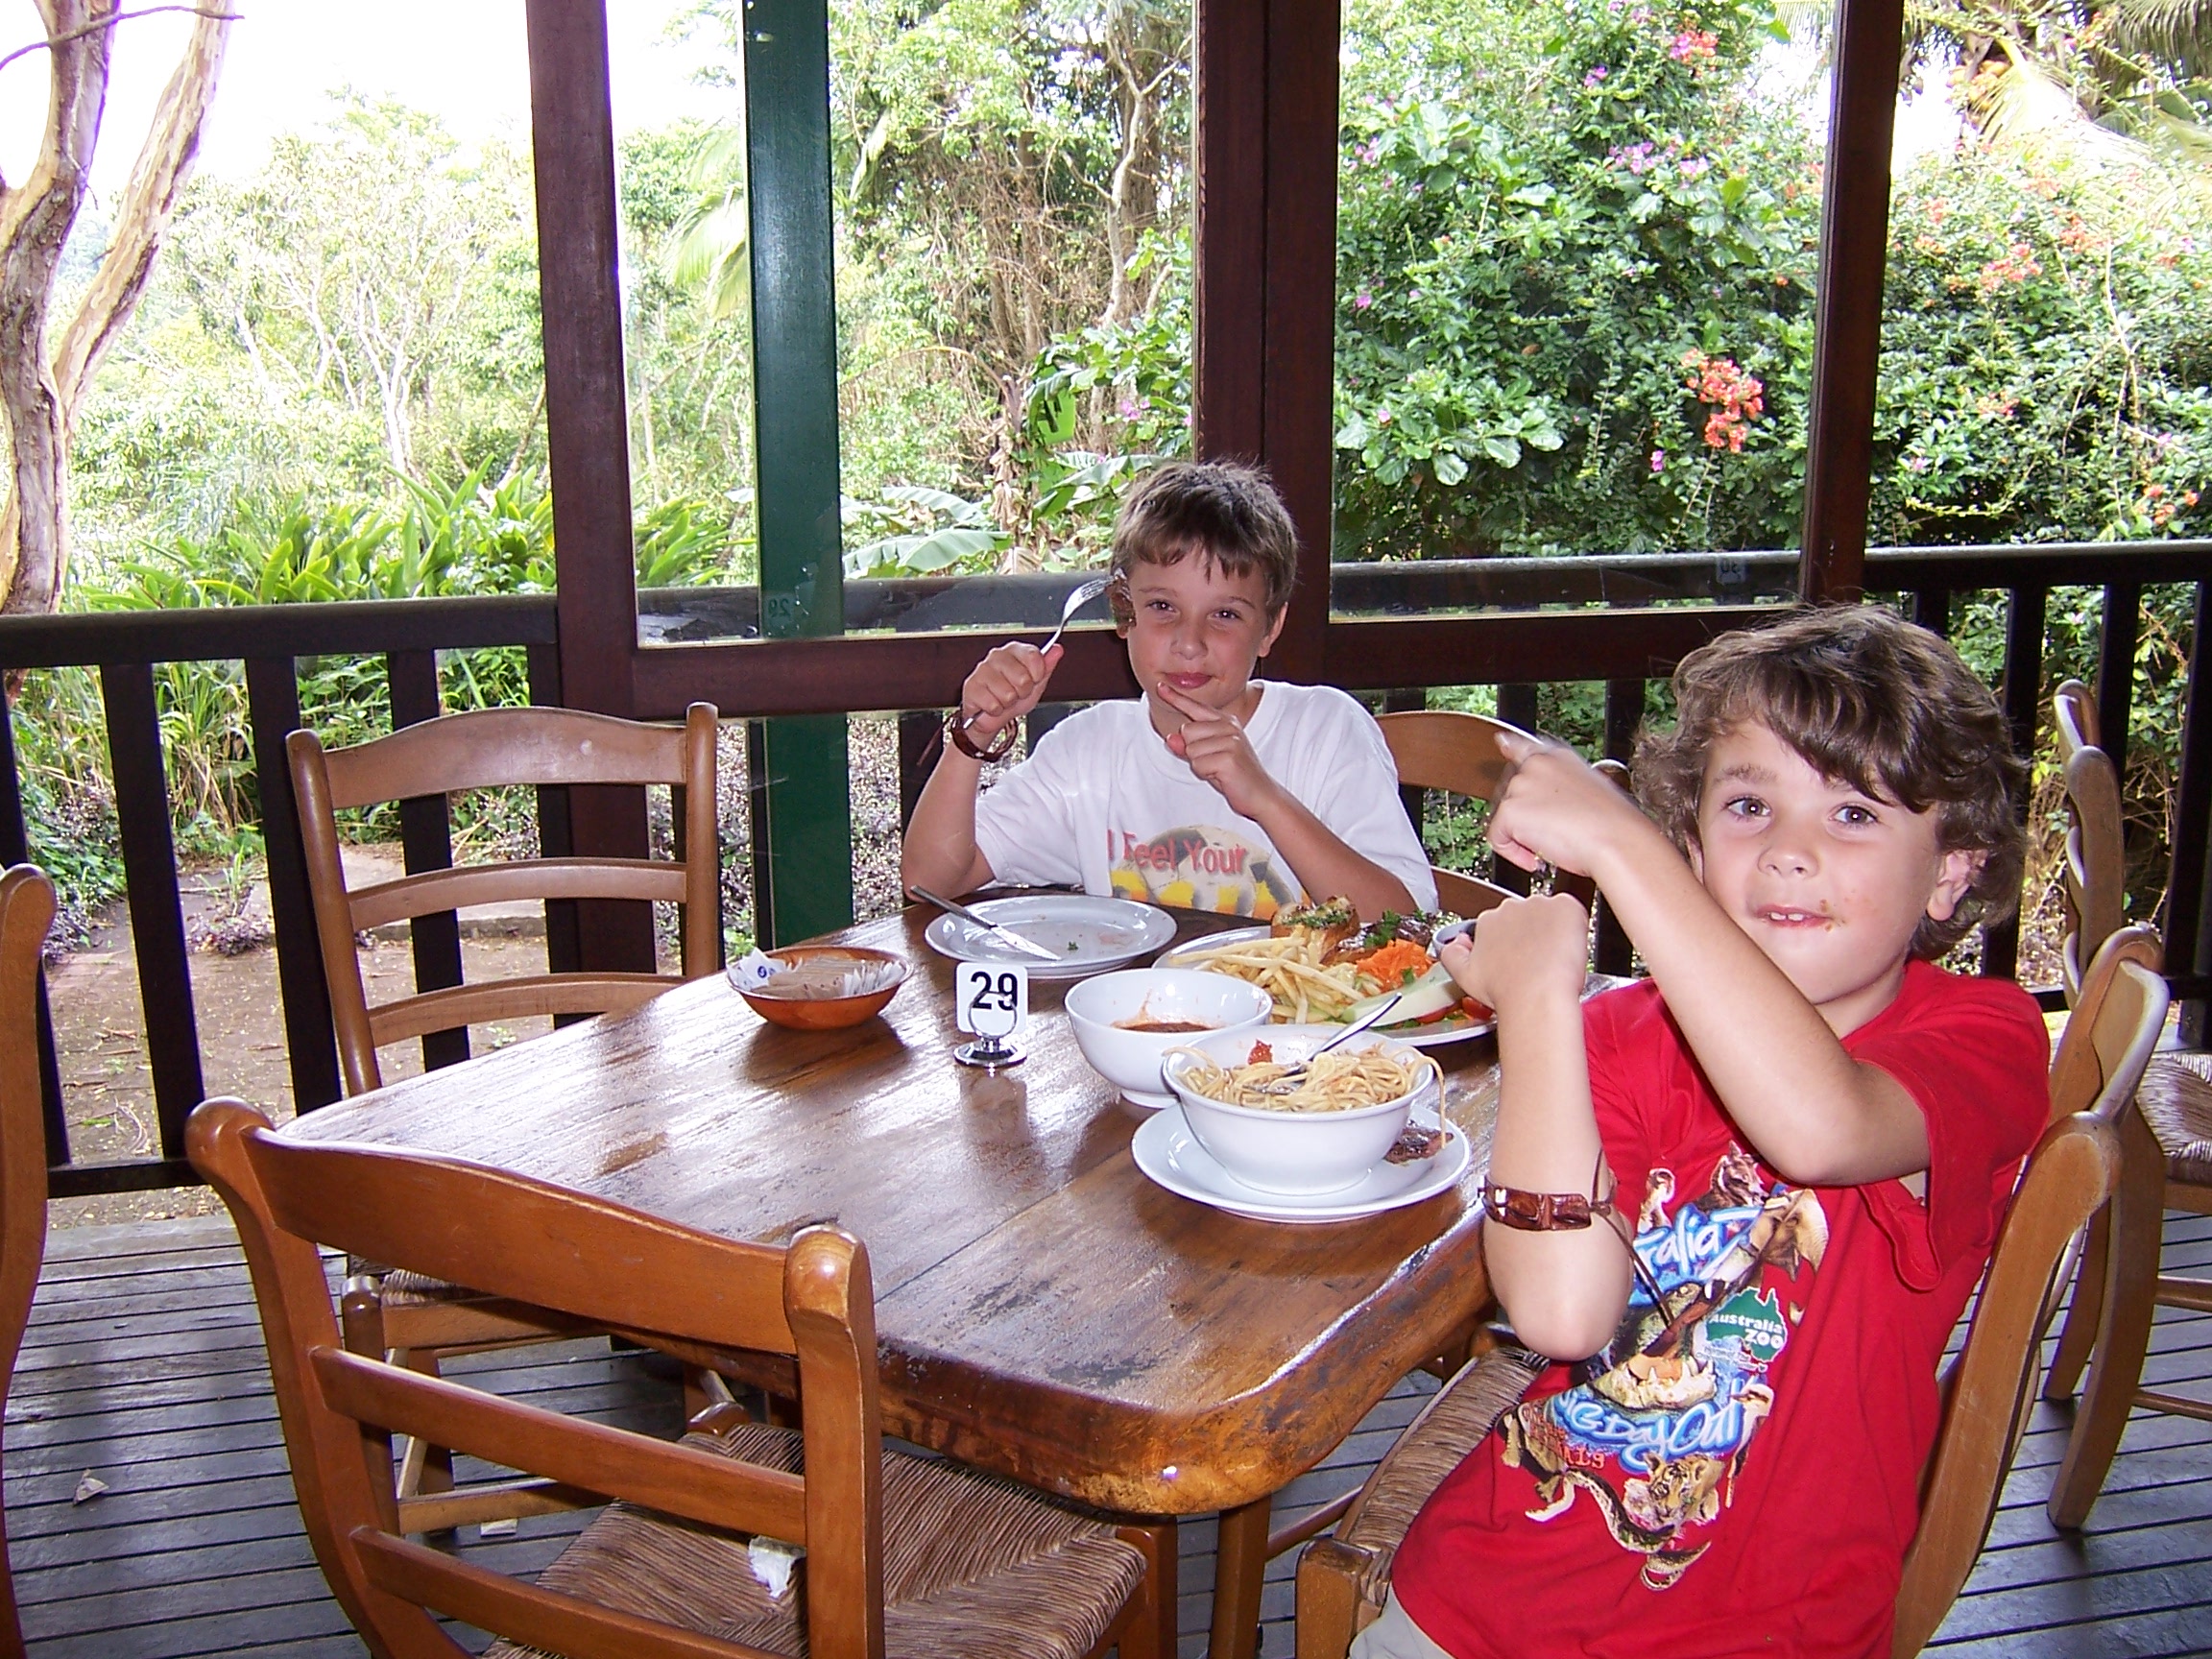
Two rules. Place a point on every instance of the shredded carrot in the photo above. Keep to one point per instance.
(1398, 963)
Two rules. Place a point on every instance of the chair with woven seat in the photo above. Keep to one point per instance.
(26, 912)
(1988, 1389)
(903, 1555)
(2166, 1153)
(424, 1318)
(1457, 753)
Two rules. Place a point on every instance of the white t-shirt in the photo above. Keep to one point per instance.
(1103, 803)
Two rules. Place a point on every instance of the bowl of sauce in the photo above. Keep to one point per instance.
(1125, 1023)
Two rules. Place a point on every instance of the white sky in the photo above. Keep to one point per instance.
(286, 56)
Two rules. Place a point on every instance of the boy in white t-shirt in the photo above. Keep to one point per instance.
(1214, 791)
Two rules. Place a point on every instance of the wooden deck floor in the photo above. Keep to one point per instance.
(144, 1368)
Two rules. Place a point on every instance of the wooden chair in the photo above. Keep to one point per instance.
(904, 1554)
(2166, 1148)
(404, 1314)
(481, 750)
(26, 911)
(2095, 871)
(1989, 1388)
(1442, 749)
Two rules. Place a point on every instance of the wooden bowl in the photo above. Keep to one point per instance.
(806, 1010)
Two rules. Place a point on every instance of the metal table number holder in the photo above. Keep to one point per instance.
(991, 1000)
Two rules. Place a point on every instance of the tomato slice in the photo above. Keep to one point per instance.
(1475, 1010)
(1432, 1019)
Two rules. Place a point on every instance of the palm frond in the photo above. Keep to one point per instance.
(2025, 108)
(2178, 31)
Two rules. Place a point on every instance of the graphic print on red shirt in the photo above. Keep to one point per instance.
(1657, 1422)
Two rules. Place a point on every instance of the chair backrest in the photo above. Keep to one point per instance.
(680, 1291)
(487, 749)
(2095, 874)
(1991, 1387)
(26, 911)
(1459, 753)
(2112, 1029)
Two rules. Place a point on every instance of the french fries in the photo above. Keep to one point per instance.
(1289, 969)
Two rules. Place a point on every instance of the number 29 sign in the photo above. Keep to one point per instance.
(990, 998)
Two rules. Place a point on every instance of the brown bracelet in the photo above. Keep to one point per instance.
(1527, 1212)
(957, 730)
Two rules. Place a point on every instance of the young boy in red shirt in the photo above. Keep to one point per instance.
(1808, 1131)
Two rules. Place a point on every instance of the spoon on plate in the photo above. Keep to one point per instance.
(1298, 1069)
(1076, 600)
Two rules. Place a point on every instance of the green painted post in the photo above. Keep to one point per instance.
(802, 827)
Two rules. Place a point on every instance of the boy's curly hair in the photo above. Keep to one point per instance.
(1872, 701)
(1224, 510)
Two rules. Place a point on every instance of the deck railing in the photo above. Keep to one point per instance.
(408, 635)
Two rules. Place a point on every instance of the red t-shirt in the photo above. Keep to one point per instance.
(1739, 1472)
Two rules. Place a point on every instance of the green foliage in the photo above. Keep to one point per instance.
(1536, 279)
(2047, 349)
(916, 531)
(462, 538)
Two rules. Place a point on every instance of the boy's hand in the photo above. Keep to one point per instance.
(1520, 948)
(1213, 741)
(1555, 809)
(1005, 685)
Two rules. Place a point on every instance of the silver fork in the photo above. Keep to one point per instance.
(1297, 1068)
(1075, 602)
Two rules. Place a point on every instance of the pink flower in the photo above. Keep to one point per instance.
(1363, 300)
(1658, 460)
(1596, 75)
(1693, 46)
(1130, 408)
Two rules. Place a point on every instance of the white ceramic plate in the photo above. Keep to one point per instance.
(1088, 934)
(1449, 1029)
(1169, 1154)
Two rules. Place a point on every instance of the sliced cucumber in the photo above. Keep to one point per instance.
(1431, 992)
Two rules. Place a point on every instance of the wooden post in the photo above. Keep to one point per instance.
(1847, 326)
(587, 430)
(1264, 337)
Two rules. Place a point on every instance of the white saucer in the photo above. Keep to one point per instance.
(1169, 1154)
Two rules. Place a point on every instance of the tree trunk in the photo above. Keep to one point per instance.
(41, 396)
(1139, 46)
(34, 221)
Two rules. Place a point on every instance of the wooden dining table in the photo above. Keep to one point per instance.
(1042, 1309)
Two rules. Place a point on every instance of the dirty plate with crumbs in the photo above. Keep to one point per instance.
(1088, 935)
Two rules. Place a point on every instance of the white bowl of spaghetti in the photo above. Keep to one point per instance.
(1319, 1132)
